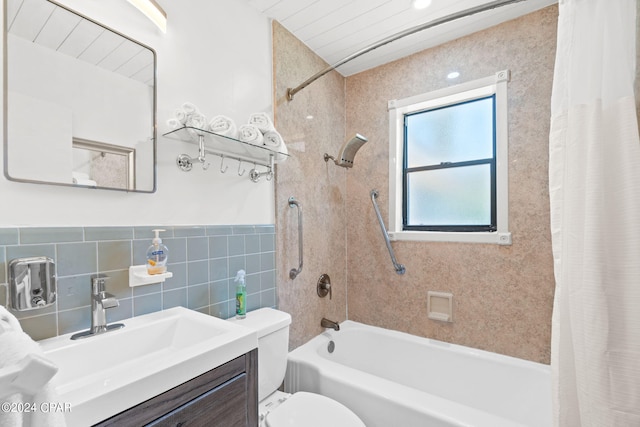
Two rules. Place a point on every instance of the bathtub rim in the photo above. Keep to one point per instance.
(476, 352)
(412, 399)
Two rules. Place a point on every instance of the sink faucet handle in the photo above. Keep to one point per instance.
(98, 284)
(109, 301)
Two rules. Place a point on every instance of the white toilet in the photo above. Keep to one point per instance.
(279, 409)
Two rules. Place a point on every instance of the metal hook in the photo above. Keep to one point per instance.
(222, 164)
(243, 170)
(203, 161)
(202, 153)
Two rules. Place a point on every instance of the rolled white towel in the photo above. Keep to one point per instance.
(262, 121)
(189, 108)
(81, 178)
(181, 115)
(250, 134)
(87, 182)
(223, 125)
(174, 123)
(273, 139)
(197, 120)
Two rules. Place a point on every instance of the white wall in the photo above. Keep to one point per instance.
(34, 121)
(105, 107)
(216, 54)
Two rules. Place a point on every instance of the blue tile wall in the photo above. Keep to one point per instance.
(203, 259)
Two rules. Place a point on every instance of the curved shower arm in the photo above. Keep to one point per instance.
(397, 266)
(293, 273)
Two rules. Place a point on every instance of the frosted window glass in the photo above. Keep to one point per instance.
(452, 196)
(456, 133)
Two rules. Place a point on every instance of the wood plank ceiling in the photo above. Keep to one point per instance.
(53, 27)
(334, 29)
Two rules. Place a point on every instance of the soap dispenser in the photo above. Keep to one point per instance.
(157, 255)
(241, 295)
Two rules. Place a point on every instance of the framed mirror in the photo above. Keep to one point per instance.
(80, 101)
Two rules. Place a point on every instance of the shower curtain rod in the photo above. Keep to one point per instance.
(452, 17)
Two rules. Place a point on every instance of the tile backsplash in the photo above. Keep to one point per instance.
(203, 259)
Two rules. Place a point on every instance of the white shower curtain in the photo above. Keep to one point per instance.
(594, 184)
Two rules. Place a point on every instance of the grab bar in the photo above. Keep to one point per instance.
(295, 271)
(398, 267)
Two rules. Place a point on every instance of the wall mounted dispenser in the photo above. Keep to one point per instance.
(32, 283)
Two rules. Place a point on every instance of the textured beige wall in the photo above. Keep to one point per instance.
(503, 295)
(320, 188)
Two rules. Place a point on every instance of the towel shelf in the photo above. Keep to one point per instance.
(225, 148)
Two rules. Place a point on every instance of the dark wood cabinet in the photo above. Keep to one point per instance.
(226, 396)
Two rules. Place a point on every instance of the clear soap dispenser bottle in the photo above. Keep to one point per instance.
(157, 255)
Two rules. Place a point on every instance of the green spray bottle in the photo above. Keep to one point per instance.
(241, 295)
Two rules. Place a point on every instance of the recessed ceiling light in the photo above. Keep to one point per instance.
(421, 4)
(309, 117)
(453, 75)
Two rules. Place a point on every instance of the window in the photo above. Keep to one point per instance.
(448, 164)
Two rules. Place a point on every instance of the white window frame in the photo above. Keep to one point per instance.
(488, 86)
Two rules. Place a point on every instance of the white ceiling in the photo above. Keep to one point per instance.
(335, 29)
(56, 28)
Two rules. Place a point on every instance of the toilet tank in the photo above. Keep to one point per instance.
(272, 327)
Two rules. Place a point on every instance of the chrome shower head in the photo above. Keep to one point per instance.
(347, 151)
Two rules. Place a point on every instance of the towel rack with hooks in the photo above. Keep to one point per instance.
(225, 148)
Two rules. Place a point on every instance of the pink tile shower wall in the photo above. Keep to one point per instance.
(503, 295)
(312, 124)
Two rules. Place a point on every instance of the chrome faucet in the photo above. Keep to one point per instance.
(100, 302)
(326, 323)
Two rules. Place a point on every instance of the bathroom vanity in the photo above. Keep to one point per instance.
(225, 396)
(160, 369)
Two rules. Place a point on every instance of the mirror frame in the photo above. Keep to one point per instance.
(5, 67)
(129, 155)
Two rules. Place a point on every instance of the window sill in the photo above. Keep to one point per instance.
(496, 238)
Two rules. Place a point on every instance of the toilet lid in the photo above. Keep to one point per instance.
(312, 410)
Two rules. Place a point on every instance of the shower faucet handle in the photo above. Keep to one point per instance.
(324, 286)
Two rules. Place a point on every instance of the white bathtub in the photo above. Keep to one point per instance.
(390, 378)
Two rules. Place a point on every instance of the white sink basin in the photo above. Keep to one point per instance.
(103, 375)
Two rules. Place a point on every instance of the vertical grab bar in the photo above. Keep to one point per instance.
(398, 267)
(295, 271)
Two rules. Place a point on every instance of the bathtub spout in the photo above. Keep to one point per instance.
(326, 323)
